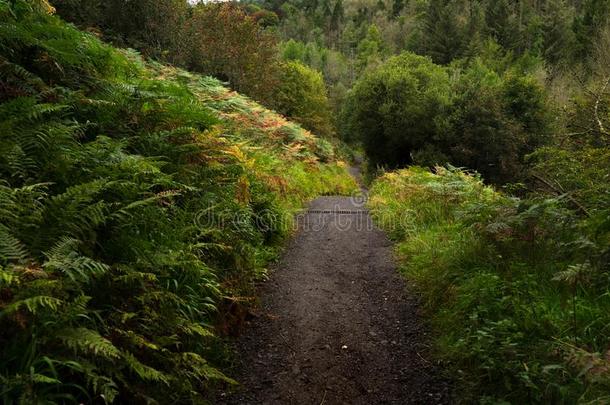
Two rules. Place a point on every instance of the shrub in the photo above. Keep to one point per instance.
(302, 96)
(495, 122)
(154, 27)
(409, 111)
(230, 45)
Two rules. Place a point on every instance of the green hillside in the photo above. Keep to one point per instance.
(139, 203)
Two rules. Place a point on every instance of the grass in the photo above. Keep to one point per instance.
(517, 289)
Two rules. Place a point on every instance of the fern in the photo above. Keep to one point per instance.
(64, 257)
(20, 78)
(88, 341)
(33, 305)
(143, 371)
(197, 330)
(202, 369)
(7, 279)
(108, 281)
(11, 248)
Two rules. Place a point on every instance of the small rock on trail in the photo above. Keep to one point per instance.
(339, 326)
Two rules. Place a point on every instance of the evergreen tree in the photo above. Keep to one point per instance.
(370, 48)
(589, 25)
(337, 16)
(502, 23)
(559, 38)
(397, 7)
(443, 37)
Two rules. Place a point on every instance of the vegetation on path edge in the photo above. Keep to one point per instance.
(517, 289)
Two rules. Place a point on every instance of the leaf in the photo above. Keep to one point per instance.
(33, 305)
(143, 371)
(88, 341)
(64, 257)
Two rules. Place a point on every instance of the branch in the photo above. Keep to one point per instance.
(558, 190)
(598, 97)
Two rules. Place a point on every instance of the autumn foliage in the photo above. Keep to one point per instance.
(229, 44)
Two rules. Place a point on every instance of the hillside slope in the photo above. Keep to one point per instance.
(135, 201)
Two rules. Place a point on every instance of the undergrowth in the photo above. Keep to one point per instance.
(518, 290)
(136, 202)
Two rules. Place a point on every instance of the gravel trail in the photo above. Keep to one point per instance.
(337, 324)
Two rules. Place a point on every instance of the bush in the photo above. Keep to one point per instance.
(302, 96)
(495, 122)
(409, 111)
(230, 45)
(154, 27)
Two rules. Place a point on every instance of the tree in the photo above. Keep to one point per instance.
(154, 27)
(336, 19)
(407, 112)
(292, 50)
(370, 48)
(302, 96)
(232, 46)
(397, 109)
(502, 23)
(495, 122)
(397, 7)
(593, 20)
(559, 38)
(266, 18)
(443, 31)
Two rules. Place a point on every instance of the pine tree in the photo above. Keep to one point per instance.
(588, 26)
(559, 38)
(503, 23)
(338, 14)
(443, 37)
(397, 7)
(370, 49)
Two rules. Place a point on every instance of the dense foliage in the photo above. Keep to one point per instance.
(155, 27)
(228, 44)
(411, 110)
(518, 288)
(135, 203)
(301, 96)
(397, 110)
(224, 40)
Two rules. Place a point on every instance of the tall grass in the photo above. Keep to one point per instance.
(111, 272)
(518, 289)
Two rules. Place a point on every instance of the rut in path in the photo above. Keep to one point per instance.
(337, 325)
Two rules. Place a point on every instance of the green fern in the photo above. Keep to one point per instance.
(143, 371)
(88, 341)
(65, 258)
(7, 278)
(11, 248)
(33, 304)
(108, 281)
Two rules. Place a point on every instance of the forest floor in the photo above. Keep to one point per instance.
(336, 324)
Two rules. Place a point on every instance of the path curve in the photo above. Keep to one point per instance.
(337, 324)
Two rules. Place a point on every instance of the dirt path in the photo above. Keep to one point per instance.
(336, 324)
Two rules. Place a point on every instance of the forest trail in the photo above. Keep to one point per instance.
(336, 324)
